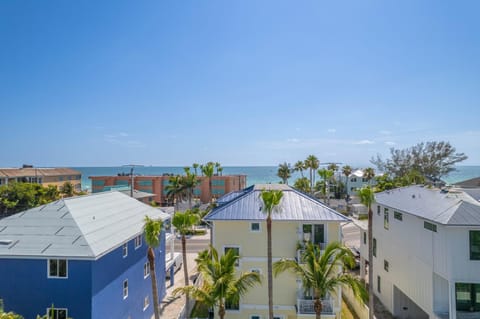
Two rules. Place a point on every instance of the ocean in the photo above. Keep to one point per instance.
(255, 174)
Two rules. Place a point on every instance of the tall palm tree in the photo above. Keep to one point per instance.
(220, 170)
(367, 198)
(302, 184)
(152, 230)
(323, 273)
(284, 172)
(271, 202)
(325, 175)
(195, 167)
(346, 170)
(299, 167)
(369, 174)
(189, 181)
(312, 164)
(220, 282)
(217, 166)
(207, 170)
(176, 189)
(183, 223)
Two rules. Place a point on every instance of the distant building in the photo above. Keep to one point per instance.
(238, 223)
(42, 175)
(357, 181)
(427, 252)
(157, 184)
(85, 255)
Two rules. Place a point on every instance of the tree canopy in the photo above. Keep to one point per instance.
(430, 159)
(17, 197)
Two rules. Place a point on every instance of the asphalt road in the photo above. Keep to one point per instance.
(351, 235)
(194, 244)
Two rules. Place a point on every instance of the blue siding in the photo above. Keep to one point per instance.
(26, 289)
(109, 273)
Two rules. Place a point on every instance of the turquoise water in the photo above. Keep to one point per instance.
(255, 174)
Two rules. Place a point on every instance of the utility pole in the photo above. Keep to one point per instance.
(132, 181)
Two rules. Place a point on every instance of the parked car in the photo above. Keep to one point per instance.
(177, 264)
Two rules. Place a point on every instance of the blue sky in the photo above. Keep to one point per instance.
(104, 83)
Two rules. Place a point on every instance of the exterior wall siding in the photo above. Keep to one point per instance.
(26, 289)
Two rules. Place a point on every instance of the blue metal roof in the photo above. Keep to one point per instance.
(295, 206)
(452, 207)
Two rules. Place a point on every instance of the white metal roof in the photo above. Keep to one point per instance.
(295, 206)
(85, 227)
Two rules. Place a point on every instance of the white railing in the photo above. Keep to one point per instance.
(306, 306)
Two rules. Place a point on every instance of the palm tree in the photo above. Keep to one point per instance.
(325, 175)
(271, 200)
(323, 273)
(183, 223)
(333, 167)
(220, 170)
(207, 170)
(369, 174)
(367, 198)
(346, 170)
(302, 184)
(220, 282)
(195, 167)
(299, 167)
(68, 189)
(312, 164)
(217, 166)
(175, 189)
(189, 181)
(284, 172)
(152, 230)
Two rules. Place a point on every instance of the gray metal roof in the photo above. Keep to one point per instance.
(85, 227)
(137, 194)
(453, 207)
(295, 206)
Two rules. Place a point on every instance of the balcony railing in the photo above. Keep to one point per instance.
(301, 251)
(306, 306)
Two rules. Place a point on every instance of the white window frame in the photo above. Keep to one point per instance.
(146, 269)
(125, 250)
(239, 253)
(259, 227)
(138, 242)
(57, 277)
(125, 289)
(146, 302)
(55, 317)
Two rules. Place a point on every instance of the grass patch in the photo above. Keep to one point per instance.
(199, 311)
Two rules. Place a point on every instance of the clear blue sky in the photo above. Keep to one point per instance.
(104, 83)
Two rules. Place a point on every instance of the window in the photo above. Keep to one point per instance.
(353, 180)
(475, 245)
(138, 241)
(467, 296)
(57, 268)
(379, 284)
(374, 248)
(256, 270)
(430, 226)
(364, 238)
(398, 215)
(229, 305)
(125, 250)
(236, 251)
(385, 218)
(255, 317)
(125, 289)
(385, 265)
(146, 302)
(378, 210)
(146, 269)
(57, 313)
(255, 227)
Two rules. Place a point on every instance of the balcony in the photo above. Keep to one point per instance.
(301, 251)
(305, 307)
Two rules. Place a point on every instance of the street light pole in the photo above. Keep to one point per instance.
(132, 167)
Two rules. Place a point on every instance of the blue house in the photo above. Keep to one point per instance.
(86, 256)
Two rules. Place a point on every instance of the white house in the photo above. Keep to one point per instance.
(356, 181)
(427, 252)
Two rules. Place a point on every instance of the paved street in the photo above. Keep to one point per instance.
(351, 235)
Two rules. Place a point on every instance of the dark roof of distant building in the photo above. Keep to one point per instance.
(459, 207)
(294, 206)
(469, 183)
(84, 227)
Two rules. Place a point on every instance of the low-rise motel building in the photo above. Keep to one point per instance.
(426, 252)
(239, 223)
(157, 185)
(45, 176)
(86, 256)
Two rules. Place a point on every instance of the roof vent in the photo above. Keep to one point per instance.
(413, 195)
(5, 242)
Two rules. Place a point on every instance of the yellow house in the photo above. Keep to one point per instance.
(239, 223)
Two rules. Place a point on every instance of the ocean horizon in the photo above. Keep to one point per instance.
(255, 174)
